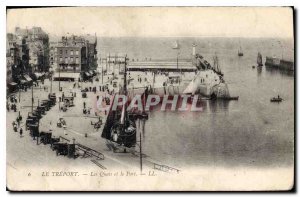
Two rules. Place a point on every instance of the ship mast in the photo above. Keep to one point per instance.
(125, 93)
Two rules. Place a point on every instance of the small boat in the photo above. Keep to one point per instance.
(240, 51)
(120, 129)
(253, 66)
(276, 99)
(259, 59)
(175, 45)
(231, 98)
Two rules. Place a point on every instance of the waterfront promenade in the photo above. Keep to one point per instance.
(23, 152)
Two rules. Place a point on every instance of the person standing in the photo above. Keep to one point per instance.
(21, 132)
(15, 108)
(15, 127)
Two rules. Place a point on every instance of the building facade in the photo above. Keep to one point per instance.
(38, 44)
(17, 57)
(76, 54)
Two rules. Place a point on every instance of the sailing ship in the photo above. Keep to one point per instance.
(216, 66)
(240, 51)
(120, 128)
(175, 45)
(259, 59)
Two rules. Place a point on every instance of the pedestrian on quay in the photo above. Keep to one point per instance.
(15, 127)
(18, 121)
(7, 106)
(84, 104)
(21, 132)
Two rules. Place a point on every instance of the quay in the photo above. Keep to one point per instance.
(79, 129)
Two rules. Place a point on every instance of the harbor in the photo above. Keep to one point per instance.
(90, 112)
(227, 109)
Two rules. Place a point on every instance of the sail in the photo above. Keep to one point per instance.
(123, 114)
(106, 133)
(175, 45)
(216, 64)
(240, 51)
(191, 88)
(259, 59)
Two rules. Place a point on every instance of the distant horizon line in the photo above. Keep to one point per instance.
(203, 36)
(179, 36)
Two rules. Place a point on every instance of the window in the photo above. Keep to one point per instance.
(71, 53)
(66, 60)
(66, 51)
(77, 60)
(60, 51)
(60, 59)
(77, 52)
(72, 60)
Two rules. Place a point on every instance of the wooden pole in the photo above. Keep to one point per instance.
(31, 98)
(19, 101)
(59, 77)
(51, 84)
(141, 161)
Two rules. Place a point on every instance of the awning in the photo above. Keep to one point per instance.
(23, 81)
(66, 75)
(39, 75)
(87, 74)
(91, 73)
(27, 78)
(13, 83)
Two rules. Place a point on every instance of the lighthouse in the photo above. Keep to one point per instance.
(194, 49)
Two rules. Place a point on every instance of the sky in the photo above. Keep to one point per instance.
(158, 21)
